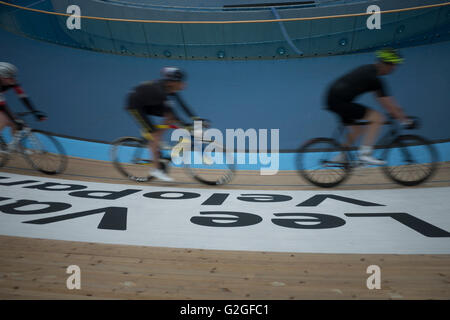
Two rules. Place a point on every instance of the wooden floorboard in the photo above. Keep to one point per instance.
(36, 269)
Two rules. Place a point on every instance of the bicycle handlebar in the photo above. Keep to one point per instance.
(22, 114)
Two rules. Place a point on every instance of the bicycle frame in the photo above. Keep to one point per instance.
(29, 145)
(396, 153)
(185, 143)
(383, 141)
(21, 134)
(179, 145)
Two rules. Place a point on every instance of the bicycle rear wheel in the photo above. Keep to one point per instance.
(3, 152)
(206, 161)
(131, 158)
(317, 161)
(410, 160)
(44, 152)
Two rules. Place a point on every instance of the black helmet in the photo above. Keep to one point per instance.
(172, 74)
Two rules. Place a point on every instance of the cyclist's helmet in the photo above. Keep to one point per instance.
(390, 56)
(7, 70)
(172, 74)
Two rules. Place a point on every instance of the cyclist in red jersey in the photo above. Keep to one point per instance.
(8, 73)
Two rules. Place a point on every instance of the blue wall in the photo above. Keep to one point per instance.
(83, 92)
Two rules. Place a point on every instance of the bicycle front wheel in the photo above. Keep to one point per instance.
(323, 162)
(44, 153)
(410, 160)
(206, 161)
(131, 158)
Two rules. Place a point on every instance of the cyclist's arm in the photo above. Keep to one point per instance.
(183, 105)
(4, 108)
(26, 101)
(391, 106)
(24, 97)
(170, 110)
(2, 101)
(388, 102)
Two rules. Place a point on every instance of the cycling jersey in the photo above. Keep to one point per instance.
(22, 95)
(344, 90)
(151, 98)
(361, 80)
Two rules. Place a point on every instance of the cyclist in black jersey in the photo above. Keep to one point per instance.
(155, 98)
(342, 92)
(8, 73)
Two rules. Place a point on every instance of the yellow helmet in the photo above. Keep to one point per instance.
(390, 56)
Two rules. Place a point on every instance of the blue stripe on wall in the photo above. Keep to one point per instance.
(101, 151)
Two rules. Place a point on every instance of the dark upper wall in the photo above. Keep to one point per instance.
(219, 3)
(83, 92)
(222, 3)
(231, 41)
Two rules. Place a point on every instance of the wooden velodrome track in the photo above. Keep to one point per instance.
(36, 268)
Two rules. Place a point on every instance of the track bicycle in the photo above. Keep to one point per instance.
(205, 160)
(410, 159)
(41, 150)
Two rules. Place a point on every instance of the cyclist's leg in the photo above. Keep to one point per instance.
(349, 112)
(6, 119)
(376, 120)
(4, 122)
(354, 132)
(169, 118)
(148, 131)
(156, 142)
(154, 137)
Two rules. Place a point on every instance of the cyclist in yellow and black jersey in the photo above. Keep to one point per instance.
(155, 98)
